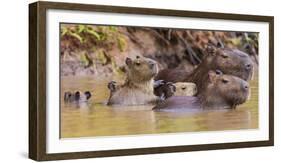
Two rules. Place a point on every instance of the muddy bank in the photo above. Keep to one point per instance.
(101, 50)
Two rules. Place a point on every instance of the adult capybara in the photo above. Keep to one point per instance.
(219, 91)
(138, 88)
(229, 61)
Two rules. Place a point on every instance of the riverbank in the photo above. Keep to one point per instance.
(101, 50)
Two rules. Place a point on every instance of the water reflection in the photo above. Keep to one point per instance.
(97, 119)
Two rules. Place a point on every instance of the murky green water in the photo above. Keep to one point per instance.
(97, 119)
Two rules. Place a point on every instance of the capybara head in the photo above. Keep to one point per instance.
(164, 89)
(67, 96)
(88, 95)
(229, 61)
(223, 91)
(77, 96)
(185, 89)
(141, 69)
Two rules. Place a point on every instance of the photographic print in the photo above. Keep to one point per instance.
(113, 81)
(126, 80)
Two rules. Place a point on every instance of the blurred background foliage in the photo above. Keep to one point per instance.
(101, 50)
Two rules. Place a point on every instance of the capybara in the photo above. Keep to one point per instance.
(185, 89)
(219, 91)
(229, 61)
(77, 96)
(164, 89)
(138, 88)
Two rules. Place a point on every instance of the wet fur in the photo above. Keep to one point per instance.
(164, 89)
(234, 64)
(185, 89)
(138, 87)
(77, 96)
(214, 94)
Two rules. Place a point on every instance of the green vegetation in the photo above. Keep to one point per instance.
(89, 36)
(105, 47)
(89, 44)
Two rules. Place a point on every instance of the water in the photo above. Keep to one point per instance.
(97, 119)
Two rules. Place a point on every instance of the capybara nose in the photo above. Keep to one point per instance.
(245, 86)
(249, 66)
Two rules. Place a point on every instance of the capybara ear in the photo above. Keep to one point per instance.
(218, 72)
(220, 44)
(129, 61)
(88, 94)
(212, 76)
(247, 46)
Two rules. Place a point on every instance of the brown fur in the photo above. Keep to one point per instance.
(223, 90)
(77, 96)
(185, 89)
(173, 75)
(229, 61)
(219, 91)
(164, 89)
(138, 87)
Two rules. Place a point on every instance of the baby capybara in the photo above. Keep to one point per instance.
(185, 89)
(229, 61)
(164, 89)
(77, 96)
(219, 91)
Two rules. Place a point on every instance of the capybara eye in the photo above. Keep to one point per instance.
(247, 47)
(224, 81)
(218, 72)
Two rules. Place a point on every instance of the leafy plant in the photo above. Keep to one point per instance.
(89, 35)
(122, 44)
